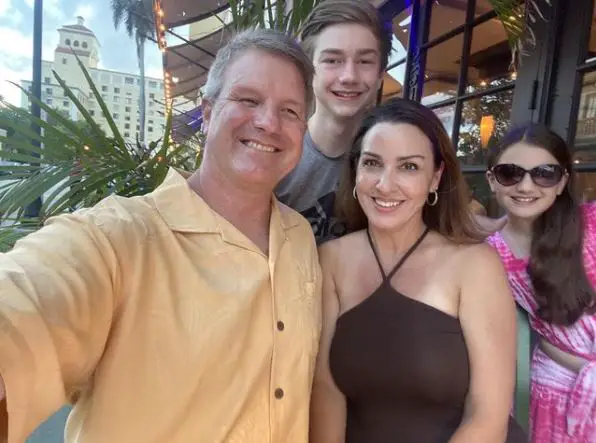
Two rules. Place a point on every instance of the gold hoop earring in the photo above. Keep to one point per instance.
(354, 193)
(435, 199)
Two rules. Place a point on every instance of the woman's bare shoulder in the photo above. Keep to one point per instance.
(469, 256)
(339, 250)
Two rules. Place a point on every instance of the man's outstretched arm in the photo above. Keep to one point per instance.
(56, 309)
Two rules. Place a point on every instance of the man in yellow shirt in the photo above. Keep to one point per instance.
(191, 314)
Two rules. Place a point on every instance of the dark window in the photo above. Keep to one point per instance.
(462, 72)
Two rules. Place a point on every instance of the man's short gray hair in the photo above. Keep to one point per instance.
(267, 40)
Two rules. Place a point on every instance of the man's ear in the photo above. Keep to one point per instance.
(207, 108)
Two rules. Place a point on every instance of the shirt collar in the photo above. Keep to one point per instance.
(184, 210)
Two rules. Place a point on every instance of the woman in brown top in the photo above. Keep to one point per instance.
(419, 340)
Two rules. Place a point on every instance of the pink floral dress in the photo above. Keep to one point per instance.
(562, 402)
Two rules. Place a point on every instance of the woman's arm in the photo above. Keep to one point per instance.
(328, 405)
(487, 315)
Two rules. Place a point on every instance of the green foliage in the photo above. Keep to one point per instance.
(271, 14)
(517, 17)
(74, 164)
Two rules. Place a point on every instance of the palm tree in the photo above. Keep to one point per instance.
(137, 16)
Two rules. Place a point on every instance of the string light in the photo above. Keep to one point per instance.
(163, 45)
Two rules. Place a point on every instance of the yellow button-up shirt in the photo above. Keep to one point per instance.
(162, 322)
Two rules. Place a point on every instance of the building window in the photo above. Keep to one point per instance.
(127, 109)
(126, 126)
(67, 42)
(65, 103)
(116, 90)
(152, 84)
(469, 96)
(49, 101)
(127, 118)
(393, 80)
(149, 129)
(152, 95)
(127, 134)
(150, 122)
(116, 107)
(116, 116)
(47, 80)
(468, 86)
(129, 81)
(91, 112)
(116, 99)
(128, 101)
(84, 45)
(104, 89)
(63, 61)
(49, 91)
(76, 44)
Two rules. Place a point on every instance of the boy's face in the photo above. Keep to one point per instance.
(347, 70)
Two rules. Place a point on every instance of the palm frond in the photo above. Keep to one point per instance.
(518, 18)
(10, 234)
(270, 14)
(75, 164)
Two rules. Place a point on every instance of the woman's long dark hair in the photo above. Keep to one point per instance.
(451, 215)
(556, 267)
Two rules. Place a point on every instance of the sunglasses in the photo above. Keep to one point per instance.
(545, 176)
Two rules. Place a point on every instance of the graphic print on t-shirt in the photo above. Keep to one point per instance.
(310, 189)
(320, 216)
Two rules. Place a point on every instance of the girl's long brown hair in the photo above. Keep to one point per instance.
(451, 215)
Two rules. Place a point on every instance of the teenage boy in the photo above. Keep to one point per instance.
(349, 47)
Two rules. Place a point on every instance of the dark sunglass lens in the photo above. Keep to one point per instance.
(547, 175)
(508, 175)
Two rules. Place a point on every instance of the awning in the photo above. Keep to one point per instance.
(183, 12)
(188, 64)
(186, 124)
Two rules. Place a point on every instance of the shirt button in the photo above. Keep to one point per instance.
(280, 325)
(279, 393)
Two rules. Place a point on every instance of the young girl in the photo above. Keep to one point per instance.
(548, 247)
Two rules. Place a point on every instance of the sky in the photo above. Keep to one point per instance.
(16, 39)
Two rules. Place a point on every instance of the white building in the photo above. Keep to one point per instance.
(119, 90)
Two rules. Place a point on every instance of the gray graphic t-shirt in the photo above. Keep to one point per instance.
(310, 189)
